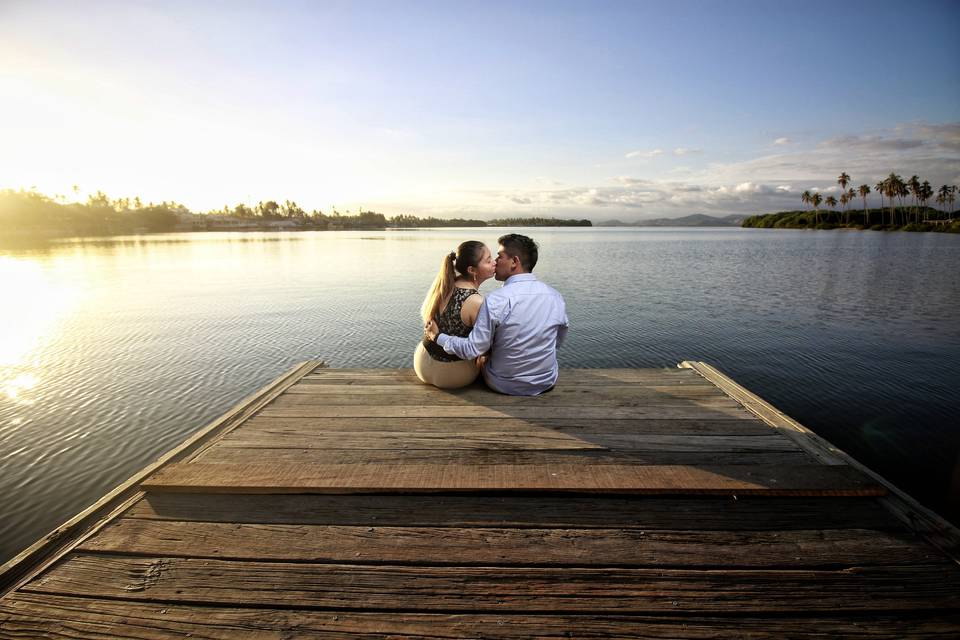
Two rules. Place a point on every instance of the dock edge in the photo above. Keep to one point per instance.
(51, 547)
(919, 519)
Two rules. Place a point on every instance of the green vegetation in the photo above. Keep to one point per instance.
(409, 222)
(934, 220)
(538, 222)
(895, 217)
(30, 215)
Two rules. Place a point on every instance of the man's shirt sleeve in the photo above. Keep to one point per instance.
(479, 340)
(562, 330)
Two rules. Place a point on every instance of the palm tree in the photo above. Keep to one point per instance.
(902, 191)
(844, 199)
(925, 192)
(943, 193)
(913, 186)
(816, 199)
(806, 197)
(893, 187)
(881, 188)
(843, 180)
(830, 201)
(951, 198)
(864, 191)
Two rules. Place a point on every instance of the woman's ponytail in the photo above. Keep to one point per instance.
(439, 294)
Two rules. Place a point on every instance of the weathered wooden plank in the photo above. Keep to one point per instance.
(391, 440)
(224, 453)
(573, 374)
(570, 511)
(660, 392)
(542, 440)
(29, 615)
(661, 403)
(675, 375)
(649, 386)
(490, 546)
(649, 479)
(518, 411)
(607, 590)
(728, 427)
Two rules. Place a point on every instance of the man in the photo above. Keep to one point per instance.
(521, 324)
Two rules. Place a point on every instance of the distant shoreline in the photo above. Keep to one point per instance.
(923, 219)
(31, 215)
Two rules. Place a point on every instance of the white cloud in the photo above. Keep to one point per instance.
(759, 185)
(644, 154)
(925, 150)
(631, 182)
(683, 151)
(782, 141)
(873, 143)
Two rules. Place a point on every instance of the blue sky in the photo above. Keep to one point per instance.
(576, 109)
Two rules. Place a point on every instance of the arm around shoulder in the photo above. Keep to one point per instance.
(479, 340)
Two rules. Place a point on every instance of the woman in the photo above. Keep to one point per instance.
(454, 302)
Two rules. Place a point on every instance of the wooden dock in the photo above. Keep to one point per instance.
(624, 503)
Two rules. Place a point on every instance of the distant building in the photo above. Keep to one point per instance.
(218, 222)
(191, 222)
(222, 222)
(281, 225)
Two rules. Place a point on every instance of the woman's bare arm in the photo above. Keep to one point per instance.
(470, 309)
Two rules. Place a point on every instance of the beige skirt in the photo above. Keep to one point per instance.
(445, 375)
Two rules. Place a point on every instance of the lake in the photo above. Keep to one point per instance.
(114, 350)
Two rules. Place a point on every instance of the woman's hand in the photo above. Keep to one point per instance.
(431, 330)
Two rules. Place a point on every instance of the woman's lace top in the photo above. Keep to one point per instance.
(451, 324)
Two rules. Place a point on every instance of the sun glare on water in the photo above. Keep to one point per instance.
(34, 303)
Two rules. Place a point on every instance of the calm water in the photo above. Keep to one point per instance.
(112, 352)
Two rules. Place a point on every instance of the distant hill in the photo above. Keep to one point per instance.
(694, 220)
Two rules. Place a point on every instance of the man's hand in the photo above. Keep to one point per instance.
(431, 331)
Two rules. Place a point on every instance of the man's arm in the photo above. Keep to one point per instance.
(562, 331)
(479, 340)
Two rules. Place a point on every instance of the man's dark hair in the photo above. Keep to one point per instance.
(521, 247)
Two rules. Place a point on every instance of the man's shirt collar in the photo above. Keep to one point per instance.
(520, 277)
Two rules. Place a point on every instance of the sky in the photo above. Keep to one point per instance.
(599, 110)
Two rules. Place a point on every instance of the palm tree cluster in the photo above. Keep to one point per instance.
(895, 189)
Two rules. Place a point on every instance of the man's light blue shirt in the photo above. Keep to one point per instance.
(521, 324)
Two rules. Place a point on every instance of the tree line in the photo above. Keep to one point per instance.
(33, 214)
(896, 211)
(29, 213)
(538, 222)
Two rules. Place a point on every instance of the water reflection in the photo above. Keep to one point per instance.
(180, 238)
(35, 301)
(14, 388)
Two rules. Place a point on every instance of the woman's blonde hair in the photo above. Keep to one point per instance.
(467, 255)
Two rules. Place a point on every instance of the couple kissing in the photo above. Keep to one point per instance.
(511, 336)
